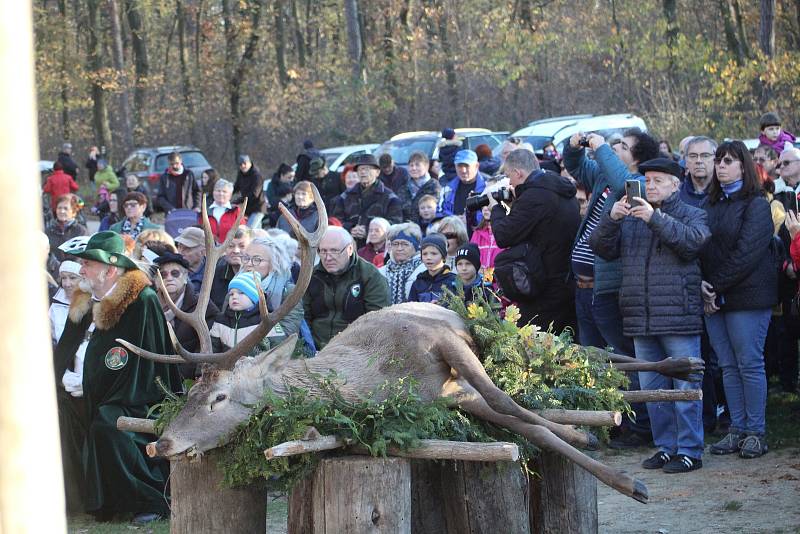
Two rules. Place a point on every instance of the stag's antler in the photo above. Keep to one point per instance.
(308, 244)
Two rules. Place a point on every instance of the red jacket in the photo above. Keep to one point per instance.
(59, 183)
(221, 229)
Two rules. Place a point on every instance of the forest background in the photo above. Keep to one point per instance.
(260, 76)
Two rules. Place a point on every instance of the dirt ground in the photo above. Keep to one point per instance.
(727, 495)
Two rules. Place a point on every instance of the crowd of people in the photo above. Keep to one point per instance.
(630, 247)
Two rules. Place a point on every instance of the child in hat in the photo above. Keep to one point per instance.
(241, 317)
(771, 132)
(468, 267)
(431, 283)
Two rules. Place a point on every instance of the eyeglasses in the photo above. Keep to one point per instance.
(254, 260)
(131, 204)
(693, 156)
(450, 235)
(331, 253)
(515, 140)
(174, 273)
(727, 160)
(786, 163)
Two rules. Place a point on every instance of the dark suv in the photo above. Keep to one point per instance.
(150, 163)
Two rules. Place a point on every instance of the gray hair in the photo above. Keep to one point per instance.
(380, 221)
(455, 222)
(409, 228)
(281, 260)
(523, 160)
(700, 139)
(286, 240)
(343, 234)
(222, 183)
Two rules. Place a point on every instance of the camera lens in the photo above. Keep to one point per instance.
(474, 203)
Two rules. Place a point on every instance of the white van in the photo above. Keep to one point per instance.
(558, 130)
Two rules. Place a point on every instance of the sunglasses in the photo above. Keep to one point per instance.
(787, 163)
(727, 160)
(174, 273)
(450, 235)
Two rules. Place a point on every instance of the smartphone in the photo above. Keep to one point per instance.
(794, 206)
(633, 189)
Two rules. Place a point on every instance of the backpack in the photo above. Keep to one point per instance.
(520, 272)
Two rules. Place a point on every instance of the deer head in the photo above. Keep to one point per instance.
(220, 401)
(226, 393)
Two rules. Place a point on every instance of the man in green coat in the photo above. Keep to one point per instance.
(116, 302)
(343, 287)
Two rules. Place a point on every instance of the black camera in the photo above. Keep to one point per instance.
(584, 142)
(476, 202)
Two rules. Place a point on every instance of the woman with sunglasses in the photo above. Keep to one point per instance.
(455, 231)
(739, 290)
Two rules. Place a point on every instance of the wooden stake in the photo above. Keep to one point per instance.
(582, 417)
(663, 395)
(135, 424)
(31, 480)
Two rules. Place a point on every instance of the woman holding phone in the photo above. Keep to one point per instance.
(739, 290)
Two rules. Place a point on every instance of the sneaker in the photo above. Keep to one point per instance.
(682, 464)
(145, 518)
(657, 461)
(753, 447)
(629, 440)
(730, 444)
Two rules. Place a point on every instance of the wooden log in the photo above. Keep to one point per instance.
(582, 417)
(663, 395)
(563, 497)
(202, 505)
(358, 495)
(136, 424)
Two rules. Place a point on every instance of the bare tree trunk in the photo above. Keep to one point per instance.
(280, 42)
(62, 11)
(391, 81)
(671, 33)
(740, 28)
(31, 487)
(102, 130)
(354, 50)
(141, 62)
(186, 79)
(449, 68)
(299, 42)
(766, 34)
(119, 66)
(735, 46)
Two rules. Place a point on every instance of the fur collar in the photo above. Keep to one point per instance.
(108, 311)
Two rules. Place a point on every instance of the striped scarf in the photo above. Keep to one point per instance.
(397, 275)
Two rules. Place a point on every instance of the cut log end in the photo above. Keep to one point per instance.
(151, 449)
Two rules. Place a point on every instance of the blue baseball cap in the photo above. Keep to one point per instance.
(465, 157)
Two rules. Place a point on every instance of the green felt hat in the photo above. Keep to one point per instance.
(107, 247)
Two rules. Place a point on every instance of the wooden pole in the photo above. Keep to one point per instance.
(135, 424)
(582, 417)
(663, 395)
(31, 482)
(563, 496)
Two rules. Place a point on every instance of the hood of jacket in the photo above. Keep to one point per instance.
(548, 180)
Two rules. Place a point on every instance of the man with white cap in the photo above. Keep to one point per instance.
(191, 244)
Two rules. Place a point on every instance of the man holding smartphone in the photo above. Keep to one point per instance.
(597, 281)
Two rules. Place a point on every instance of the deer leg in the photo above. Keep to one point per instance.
(688, 369)
(472, 402)
(461, 358)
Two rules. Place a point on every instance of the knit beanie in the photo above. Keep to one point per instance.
(435, 240)
(72, 267)
(244, 282)
(471, 253)
(448, 133)
(769, 119)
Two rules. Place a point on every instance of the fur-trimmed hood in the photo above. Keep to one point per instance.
(108, 311)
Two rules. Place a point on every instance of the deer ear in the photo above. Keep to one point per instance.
(273, 361)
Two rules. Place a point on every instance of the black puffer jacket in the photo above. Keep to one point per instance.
(739, 260)
(660, 293)
(357, 206)
(250, 185)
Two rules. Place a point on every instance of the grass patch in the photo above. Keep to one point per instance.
(732, 506)
(783, 412)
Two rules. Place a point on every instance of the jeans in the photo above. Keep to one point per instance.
(607, 320)
(738, 339)
(677, 426)
(588, 333)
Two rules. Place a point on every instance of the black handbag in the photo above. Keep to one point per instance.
(520, 272)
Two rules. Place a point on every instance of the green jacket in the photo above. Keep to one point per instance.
(108, 178)
(334, 301)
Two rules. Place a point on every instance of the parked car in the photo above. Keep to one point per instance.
(558, 130)
(401, 146)
(339, 156)
(150, 163)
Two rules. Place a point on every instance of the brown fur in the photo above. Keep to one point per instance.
(108, 311)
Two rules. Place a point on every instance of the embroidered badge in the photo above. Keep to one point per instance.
(355, 290)
(113, 259)
(116, 358)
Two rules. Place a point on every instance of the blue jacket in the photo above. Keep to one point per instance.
(661, 276)
(689, 195)
(449, 193)
(427, 288)
(606, 170)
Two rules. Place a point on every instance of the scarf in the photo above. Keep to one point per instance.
(397, 275)
(732, 187)
(128, 228)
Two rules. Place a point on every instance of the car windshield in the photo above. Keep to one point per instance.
(401, 149)
(538, 141)
(190, 159)
(330, 157)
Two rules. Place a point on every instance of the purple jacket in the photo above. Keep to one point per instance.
(778, 143)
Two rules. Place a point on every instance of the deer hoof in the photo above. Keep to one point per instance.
(639, 491)
(592, 443)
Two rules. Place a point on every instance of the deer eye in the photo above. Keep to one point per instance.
(221, 397)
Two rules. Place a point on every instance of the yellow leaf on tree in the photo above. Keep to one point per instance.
(512, 314)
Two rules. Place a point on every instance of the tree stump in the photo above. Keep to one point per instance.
(563, 497)
(201, 504)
